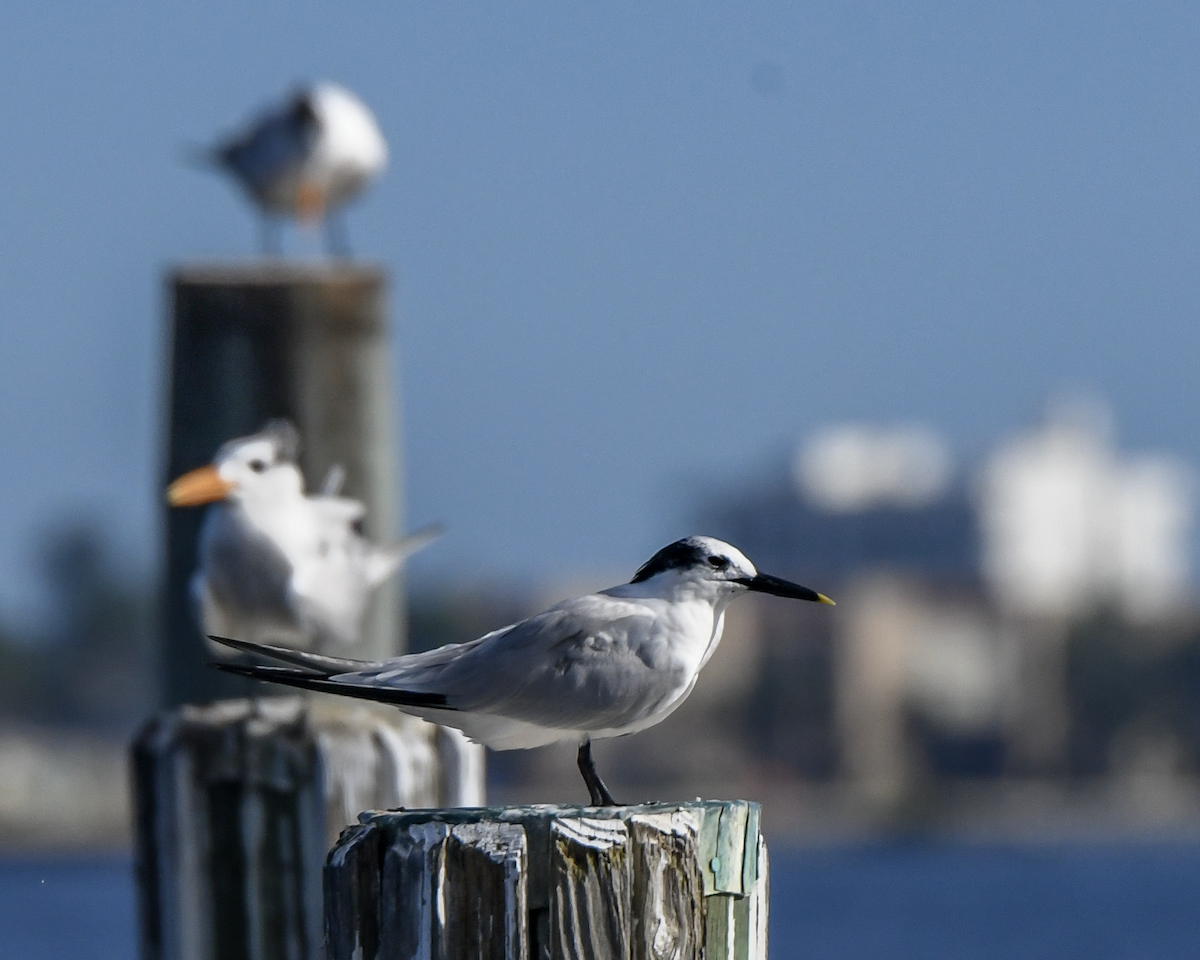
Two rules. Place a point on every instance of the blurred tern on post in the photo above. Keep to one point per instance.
(276, 564)
(305, 158)
(603, 665)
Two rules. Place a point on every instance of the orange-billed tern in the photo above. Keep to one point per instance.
(276, 564)
(603, 665)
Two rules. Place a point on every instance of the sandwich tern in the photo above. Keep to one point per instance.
(305, 158)
(275, 563)
(603, 665)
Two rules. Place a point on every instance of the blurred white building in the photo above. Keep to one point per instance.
(1068, 523)
(852, 467)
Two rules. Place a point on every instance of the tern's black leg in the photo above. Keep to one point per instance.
(337, 241)
(271, 236)
(600, 795)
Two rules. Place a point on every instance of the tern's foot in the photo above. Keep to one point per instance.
(596, 788)
(600, 795)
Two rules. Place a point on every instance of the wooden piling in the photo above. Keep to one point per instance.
(252, 342)
(239, 802)
(655, 882)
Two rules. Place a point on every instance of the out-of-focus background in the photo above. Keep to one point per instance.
(899, 298)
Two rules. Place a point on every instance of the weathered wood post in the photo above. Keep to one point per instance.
(239, 800)
(682, 881)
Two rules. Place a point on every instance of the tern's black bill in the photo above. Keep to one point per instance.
(778, 587)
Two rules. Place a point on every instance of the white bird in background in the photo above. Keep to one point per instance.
(603, 665)
(305, 158)
(276, 564)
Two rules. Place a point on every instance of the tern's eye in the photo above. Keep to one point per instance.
(258, 466)
(719, 562)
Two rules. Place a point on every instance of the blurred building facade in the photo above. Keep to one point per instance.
(965, 596)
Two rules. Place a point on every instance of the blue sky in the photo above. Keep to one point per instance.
(635, 248)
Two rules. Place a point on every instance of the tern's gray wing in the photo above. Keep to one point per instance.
(246, 573)
(278, 141)
(593, 663)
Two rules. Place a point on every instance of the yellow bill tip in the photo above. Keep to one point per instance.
(824, 599)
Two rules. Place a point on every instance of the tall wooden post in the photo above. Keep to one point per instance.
(306, 342)
(238, 800)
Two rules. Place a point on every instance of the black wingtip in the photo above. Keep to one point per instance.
(307, 680)
(245, 646)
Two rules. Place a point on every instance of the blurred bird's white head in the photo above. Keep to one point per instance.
(708, 568)
(261, 467)
(351, 145)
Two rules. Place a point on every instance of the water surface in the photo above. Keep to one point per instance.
(874, 902)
